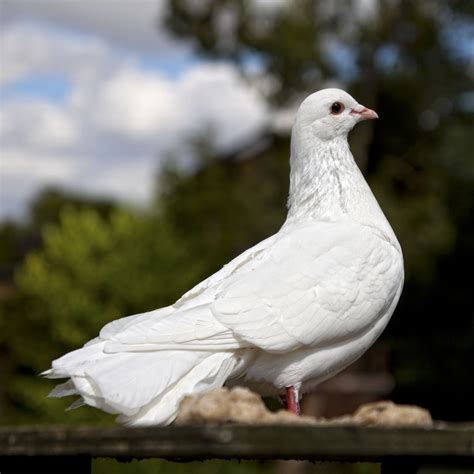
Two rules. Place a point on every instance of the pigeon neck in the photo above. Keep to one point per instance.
(326, 184)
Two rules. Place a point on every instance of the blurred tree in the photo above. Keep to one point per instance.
(90, 270)
(11, 234)
(230, 202)
(410, 61)
(19, 238)
(46, 208)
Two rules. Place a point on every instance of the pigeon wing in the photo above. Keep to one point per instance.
(316, 285)
(189, 324)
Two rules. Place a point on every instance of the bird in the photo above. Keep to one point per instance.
(280, 318)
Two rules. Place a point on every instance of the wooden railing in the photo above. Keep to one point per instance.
(54, 449)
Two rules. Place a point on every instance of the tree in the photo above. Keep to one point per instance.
(407, 60)
(89, 271)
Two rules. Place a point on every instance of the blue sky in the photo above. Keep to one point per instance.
(51, 87)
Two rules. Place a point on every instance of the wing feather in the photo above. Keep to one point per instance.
(314, 291)
(316, 285)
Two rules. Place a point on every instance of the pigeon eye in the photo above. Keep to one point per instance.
(337, 108)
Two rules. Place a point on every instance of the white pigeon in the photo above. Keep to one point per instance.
(280, 318)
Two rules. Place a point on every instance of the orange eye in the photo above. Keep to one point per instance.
(337, 108)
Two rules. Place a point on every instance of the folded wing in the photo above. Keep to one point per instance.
(319, 285)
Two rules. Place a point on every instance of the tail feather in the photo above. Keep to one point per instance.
(64, 390)
(144, 381)
(129, 381)
(75, 362)
(211, 373)
(145, 388)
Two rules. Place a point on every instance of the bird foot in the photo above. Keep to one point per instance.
(292, 400)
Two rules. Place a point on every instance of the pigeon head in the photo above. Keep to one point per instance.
(331, 113)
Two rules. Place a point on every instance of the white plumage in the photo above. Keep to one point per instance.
(290, 312)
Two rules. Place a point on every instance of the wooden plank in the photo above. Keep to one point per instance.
(335, 443)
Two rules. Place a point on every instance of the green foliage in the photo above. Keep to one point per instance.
(229, 204)
(10, 234)
(421, 218)
(46, 208)
(89, 271)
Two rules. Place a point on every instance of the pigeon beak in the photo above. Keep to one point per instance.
(363, 113)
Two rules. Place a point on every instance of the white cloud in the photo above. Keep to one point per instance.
(132, 181)
(29, 48)
(23, 173)
(216, 96)
(117, 120)
(135, 103)
(22, 167)
(38, 124)
(130, 24)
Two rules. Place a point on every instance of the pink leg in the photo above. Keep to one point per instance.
(292, 400)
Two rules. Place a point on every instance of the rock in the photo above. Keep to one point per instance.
(387, 413)
(240, 405)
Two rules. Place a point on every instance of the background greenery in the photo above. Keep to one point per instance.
(79, 263)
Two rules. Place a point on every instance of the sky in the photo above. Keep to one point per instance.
(95, 96)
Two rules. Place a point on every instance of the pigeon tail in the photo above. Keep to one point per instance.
(145, 388)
